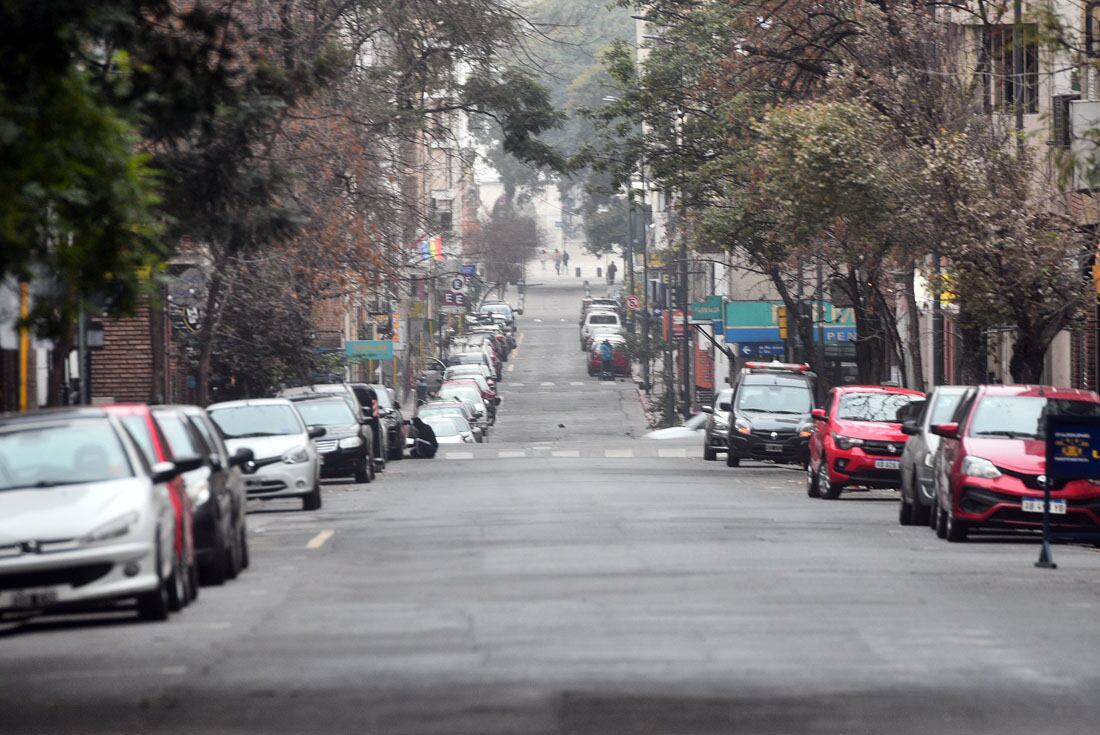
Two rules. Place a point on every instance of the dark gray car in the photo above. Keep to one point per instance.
(717, 425)
(917, 490)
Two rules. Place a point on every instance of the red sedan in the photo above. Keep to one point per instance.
(620, 360)
(991, 465)
(857, 440)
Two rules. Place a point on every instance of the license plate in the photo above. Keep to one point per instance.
(773, 448)
(33, 599)
(1035, 505)
(887, 464)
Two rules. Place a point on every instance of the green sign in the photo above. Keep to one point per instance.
(707, 311)
(369, 349)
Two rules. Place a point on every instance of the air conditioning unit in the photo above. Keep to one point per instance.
(1085, 126)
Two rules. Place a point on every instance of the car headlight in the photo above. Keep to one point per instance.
(199, 493)
(742, 426)
(980, 467)
(297, 455)
(112, 529)
(929, 460)
(805, 433)
(721, 423)
(351, 442)
(846, 442)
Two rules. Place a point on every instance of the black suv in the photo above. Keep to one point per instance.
(770, 414)
(347, 448)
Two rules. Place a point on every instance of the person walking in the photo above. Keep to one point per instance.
(542, 259)
(565, 261)
(557, 261)
(612, 269)
(606, 353)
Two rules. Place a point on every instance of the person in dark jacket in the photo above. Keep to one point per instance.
(425, 444)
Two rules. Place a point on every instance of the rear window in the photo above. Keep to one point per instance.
(944, 408)
(603, 319)
(240, 422)
(77, 453)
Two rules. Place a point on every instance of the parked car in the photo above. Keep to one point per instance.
(620, 357)
(471, 395)
(458, 371)
(216, 490)
(599, 303)
(599, 333)
(917, 478)
(500, 309)
(138, 420)
(687, 430)
(451, 408)
(392, 420)
(488, 393)
(990, 467)
(770, 414)
(716, 427)
(477, 357)
(361, 399)
(450, 429)
(347, 448)
(286, 463)
(596, 318)
(857, 440)
(86, 518)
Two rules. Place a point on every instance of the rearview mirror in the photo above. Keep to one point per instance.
(241, 457)
(706, 409)
(910, 428)
(947, 431)
(164, 472)
(723, 406)
(316, 432)
(188, 463)
(818, 414)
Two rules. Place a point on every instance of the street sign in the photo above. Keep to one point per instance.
(633, 302)
(468, 269)
(454, 298)
(760, 350)
(708, 310)
(458, 283)
(1073, 447)
(369, 349)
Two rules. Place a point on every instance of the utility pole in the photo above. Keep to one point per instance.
(645, 286)
(628, 251)
(937, 321)
(670, 384)
(1018, 71)
(24, 343)
(685, 345)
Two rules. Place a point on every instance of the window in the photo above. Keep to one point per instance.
(872, 406)
(1000, 45)
(47, 455)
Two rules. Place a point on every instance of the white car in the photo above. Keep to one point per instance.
(83, 517)
(450, 429)
(286, 463)
(597, 319)
(688, 430)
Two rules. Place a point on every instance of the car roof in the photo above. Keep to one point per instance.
(53, 414)
(1039, 391)
(877, 389)
(251, 402)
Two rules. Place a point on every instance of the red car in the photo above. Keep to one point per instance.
(139, 421)
(990, 466)
(857, 440)
(620, 360)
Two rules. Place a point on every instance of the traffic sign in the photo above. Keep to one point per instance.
(458, 283)
(633, 302)
(454, 298)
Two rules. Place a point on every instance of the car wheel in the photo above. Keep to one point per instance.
(396, 453)
(218, 570)
(812, 488)
(313, 500)
(956, 531)
(708, 453)
(732, 461)
(234, 554)
(828, 490)
(154, 605)
(244, 547)
(920, 514)
(178, 595)
(362, 475)
(905, 511)
(941, 523)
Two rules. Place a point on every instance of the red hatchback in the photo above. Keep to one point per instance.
(990, 467)
(857, 439)
(620, 360)
(147, 434)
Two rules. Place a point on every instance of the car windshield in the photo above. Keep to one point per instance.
(1022, 417)
(179, 439)
(325, 413)
(41, 456)
(444, 410)
(239, 422)
(944, 408)
(383, 397)
(442, 425)
(882, 407)
(466, 358)
(792, 399)
(494, 309)
(465, 392)
(603, 319)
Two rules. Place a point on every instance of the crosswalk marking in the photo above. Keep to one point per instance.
(547, 385)
(511, 454)
(565, 453)
(576, 382)
(618, 453)
(680, 452)
(458, 455)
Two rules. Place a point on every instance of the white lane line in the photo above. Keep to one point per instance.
(618, 453)
(511, 368)
(319, 540)
(576, 382)
(511, 454)
(538, 321)
(98, 673)
(681, 452)
(547, 385)
(516, 385)
(458, 455)
(519, 340)
(565, 453)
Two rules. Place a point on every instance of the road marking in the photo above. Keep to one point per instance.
(681, 452)
(516, 385)
(576, 382)
(520, 340)
(459, 455)
(510, 454)
(547, 385)
(565, 453)
(319, 540)
(98, 673)
(512, 367)
(618, 453)
(538, 321)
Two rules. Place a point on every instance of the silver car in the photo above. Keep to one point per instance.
(286, 463)
(918, 493)
(83, 517)
(718, 424)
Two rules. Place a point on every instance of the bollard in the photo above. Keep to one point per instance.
(599, 272)
(578, 271)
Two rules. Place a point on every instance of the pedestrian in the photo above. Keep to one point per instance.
(542, 259)
(606, 353)
(565, 261)
(612, 269)
(425, 444)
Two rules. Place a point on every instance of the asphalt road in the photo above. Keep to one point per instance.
(579, 580)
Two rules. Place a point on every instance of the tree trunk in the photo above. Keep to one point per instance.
(870, 345)
(973, 352)
(55, 386)
(1028, 353)
(913, 340)
(208, 331)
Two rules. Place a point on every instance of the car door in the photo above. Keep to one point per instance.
(227, 481)
(821, 431)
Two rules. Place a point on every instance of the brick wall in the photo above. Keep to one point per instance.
(131, 366)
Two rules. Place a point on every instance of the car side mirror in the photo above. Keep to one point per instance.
(910, 428)
(241, 457)
(214, 460)
(188, 463)
(164, 472)
(947, 431)
(723, 406)
(397, 405)
(706, 409)
(818, 414)
(316, 432)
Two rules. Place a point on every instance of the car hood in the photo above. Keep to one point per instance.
(673, 432)
(69, 511)
(889, 432)
(264, 447)
(1020, 455)
(339, 432)
(773, 421)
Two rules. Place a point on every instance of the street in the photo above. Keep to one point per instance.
(572, 577)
